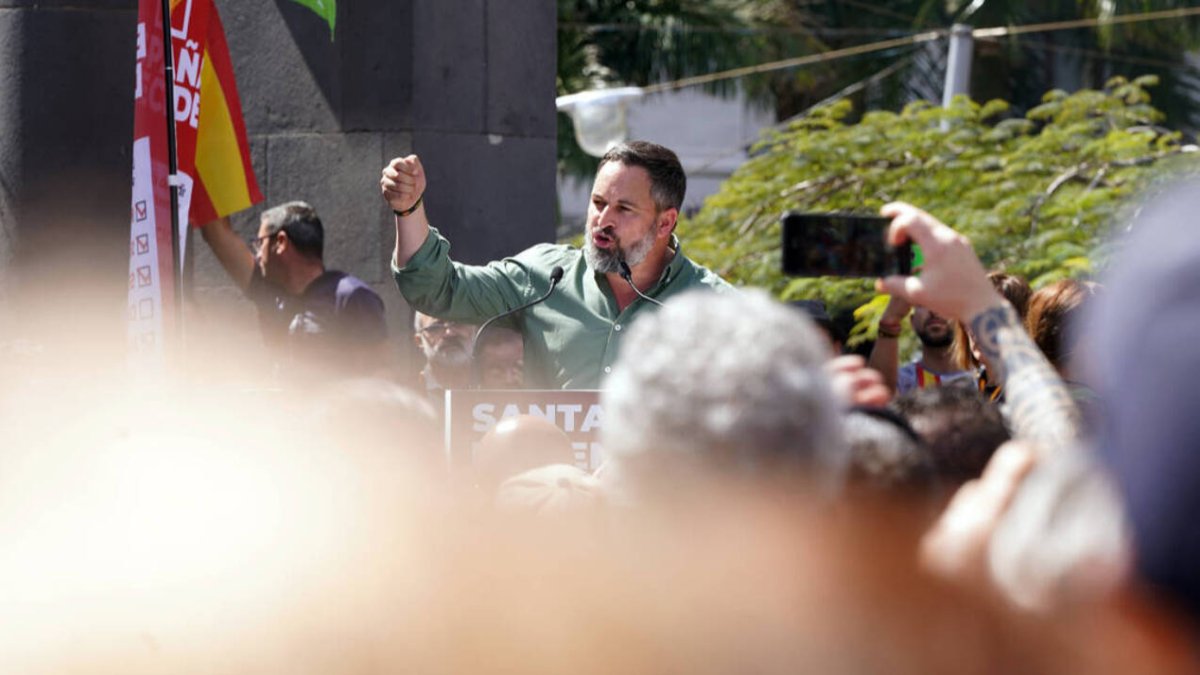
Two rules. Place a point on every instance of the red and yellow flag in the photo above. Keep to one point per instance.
(211, 137)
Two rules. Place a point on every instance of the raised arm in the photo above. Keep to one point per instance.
(403, 188)
(885, 353)
(230, 250)
(954, 283)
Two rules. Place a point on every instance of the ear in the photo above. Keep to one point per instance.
(281, 242)
(666, 223)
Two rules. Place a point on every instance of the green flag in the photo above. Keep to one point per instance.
(326, 9)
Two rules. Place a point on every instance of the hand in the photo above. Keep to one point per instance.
(403, 182)
(856, 383)
(957, 545)
(953, 282)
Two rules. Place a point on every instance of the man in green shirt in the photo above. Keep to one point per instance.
(571, 339)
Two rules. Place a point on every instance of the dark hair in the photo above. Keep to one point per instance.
(1014, 289)
(960, 429)
(668, 183)
(300, 222)
(885, 452)
(1051, 311)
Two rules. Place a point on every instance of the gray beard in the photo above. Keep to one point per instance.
(451, 356)
(608, 261)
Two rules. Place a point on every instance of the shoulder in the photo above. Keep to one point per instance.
(538, 260)
(699, 276)
(549, 254)
(347, 289)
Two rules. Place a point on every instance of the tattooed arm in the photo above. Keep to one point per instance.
(1040, 407)
(954, 283)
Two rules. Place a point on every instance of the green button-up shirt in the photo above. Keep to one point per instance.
(571, 339)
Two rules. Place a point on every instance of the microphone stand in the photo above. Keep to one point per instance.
(627, 275)
(556, 276)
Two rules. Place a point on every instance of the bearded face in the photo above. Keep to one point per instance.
(447, 344)
(608, 260)
(934, 330)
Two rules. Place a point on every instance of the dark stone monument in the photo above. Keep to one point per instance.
(467, 84)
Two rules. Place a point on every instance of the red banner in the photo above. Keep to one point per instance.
(150, 260)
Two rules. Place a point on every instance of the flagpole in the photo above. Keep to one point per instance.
(172, 179)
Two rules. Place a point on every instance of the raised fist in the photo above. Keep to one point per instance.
(403, 182)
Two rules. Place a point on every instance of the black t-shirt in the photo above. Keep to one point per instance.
(335, 316)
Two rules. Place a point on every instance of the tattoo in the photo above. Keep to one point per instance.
(1040, 407)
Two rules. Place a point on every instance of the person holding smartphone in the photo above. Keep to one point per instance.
(936, 366)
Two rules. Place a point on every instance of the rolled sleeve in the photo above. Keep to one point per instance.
(434, 284)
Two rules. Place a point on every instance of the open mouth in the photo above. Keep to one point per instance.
(603, 239)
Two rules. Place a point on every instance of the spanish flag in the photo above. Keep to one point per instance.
(211, 136)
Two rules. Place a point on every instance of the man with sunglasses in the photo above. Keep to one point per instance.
(324, 319)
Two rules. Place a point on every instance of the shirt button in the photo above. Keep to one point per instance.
(617, 328)
(607, 369)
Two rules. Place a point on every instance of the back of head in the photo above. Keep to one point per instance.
(555, 491)
(1144, 363)
(668, 182)
(1052, 313)
(736, 380)
(960, 429)
(302, 225)
(379, 421)
(518, 444)
(886, 453)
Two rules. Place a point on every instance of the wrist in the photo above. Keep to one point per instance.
(889, 328)
(410, 210)
(983, 304)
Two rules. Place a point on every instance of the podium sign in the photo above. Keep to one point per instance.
(471, 413)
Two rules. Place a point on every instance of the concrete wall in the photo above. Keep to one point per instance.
(467, 84)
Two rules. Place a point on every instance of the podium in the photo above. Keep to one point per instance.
(471, 413)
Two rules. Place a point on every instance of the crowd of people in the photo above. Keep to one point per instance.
(1021, 497)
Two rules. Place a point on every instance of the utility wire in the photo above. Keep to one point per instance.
(917, 38)
(1001, 31)
(848, 91)
(809, 59)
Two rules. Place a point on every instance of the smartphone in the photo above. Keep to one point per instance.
(841, 245)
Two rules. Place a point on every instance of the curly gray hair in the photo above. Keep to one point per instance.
(736, 377)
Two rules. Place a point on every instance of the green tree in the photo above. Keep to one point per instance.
(1036, 193)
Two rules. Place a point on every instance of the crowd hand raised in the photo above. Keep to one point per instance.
(952, 282)
(857, 384)
(957, 545)
(403, 182)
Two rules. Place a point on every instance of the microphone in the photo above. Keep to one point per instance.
(556, 275)
(627, 275)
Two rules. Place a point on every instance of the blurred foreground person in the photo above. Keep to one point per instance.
(311, 318)
(1142, 333)
(960, 429)
(380, 421)
(515, 445)
(1041, 524)
(187, 531)
(687, 390)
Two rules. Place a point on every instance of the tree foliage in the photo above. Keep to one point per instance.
(1036, 194)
